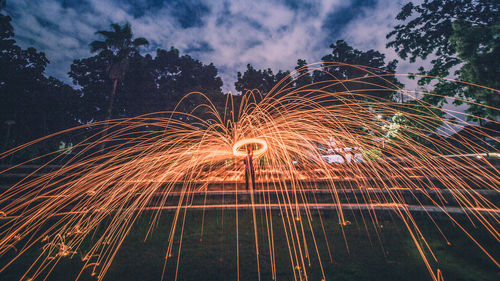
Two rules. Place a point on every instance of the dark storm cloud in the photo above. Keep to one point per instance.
(189, 13)
(230, 34)
(338, 19)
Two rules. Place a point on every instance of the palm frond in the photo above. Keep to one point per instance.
(106, 34)
(97, 46)
(126, 31)
(141, 41)
(116, 27)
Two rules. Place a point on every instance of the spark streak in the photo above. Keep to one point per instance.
(384, 156)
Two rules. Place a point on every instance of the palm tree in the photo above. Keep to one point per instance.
(118, 45)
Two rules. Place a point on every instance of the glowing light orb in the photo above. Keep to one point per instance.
(244, 142)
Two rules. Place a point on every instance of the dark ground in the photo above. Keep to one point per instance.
(393, 257)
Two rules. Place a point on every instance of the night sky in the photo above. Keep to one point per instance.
(230, 34)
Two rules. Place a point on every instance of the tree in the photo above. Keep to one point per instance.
(139, 94)
(90, 75)
(463, 34)
(337, 66)
(32, 105)
(303, 78)
(262, 80)
(251, 79)
(178, 75)
(118, 46)
(149, 84)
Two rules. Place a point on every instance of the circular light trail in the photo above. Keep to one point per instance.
(244, 142)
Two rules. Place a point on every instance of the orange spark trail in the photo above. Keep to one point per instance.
(340, 145)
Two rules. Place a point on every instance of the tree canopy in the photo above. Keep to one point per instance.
(118, 47)
(33, 105)
(262, 80)
(457, 35)
(122, 79)
(148, 84)
(355, 78)
(342, 54)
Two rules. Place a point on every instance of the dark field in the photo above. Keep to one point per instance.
(390, 255)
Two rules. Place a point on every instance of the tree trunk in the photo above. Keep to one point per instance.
(110, 110)
(111, 101)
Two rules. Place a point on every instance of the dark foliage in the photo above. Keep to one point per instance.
(33, 105)
(342, 53)
(456, 34)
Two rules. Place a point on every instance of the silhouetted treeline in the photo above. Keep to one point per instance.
(32, 105)
(120, 81)
(331, 70)
(461, 38)
(117, 82)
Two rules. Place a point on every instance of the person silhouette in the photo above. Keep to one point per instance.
(249, 170)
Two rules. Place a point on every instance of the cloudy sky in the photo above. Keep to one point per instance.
(231, 34)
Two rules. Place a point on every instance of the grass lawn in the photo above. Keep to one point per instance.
(385, 254)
